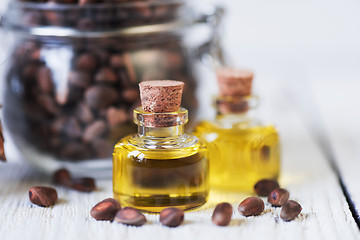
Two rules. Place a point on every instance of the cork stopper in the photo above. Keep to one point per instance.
(161, 96)
(161, 100)
(234, 82)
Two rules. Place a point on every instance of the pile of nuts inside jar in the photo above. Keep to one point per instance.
(110, 209)
(72, 97)
(84, 114)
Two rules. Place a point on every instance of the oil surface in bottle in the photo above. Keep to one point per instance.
(152, 179)
(240, 156)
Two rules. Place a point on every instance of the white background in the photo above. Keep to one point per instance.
(318, 41)
(317, 37)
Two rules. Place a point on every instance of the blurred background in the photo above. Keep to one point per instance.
(308, 49)
(282, 41)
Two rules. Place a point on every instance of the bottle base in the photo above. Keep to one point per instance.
(156, 203)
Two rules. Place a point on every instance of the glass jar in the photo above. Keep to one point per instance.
(71, 81)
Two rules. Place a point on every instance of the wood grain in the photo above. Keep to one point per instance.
(341, 116)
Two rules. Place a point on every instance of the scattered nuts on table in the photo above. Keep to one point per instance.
(106, 209)
(62, 177)
(171, 217)
(222, 214)
(84, 184)
(251, 206)
(130, 216)
(43, 196)
(278, 197)
(290, 210)
(265, 186)
(110, 209)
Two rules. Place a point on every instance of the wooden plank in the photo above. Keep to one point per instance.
(306, 174)
(339, 107)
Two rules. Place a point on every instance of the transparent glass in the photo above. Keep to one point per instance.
(100, 16)
(160, 166)
(241, 149)
(72, 75)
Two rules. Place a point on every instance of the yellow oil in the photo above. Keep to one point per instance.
(240, 156)
(153, 179)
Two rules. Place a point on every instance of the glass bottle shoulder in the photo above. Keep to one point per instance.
(238, 127)
(245, 130)
(160, 148)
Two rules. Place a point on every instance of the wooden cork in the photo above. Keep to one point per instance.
(234, 82)
(161, 96)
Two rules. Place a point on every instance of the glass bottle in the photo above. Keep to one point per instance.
(241, 149)
(160, 166)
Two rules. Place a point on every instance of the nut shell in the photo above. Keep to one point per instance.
(130, 216)
(265, 186)
(278, 197)
(290, 210)
(171, 217)
(84, 184)
(222, 214)
(105, 210)
(43, 196)
(251, 206)
(2, 152)
(62, 177)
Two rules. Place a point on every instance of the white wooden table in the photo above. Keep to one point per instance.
(306, 173)
(306, 56)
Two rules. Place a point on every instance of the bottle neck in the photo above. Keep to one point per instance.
(160, 125)
(161, 132)
(235, 109)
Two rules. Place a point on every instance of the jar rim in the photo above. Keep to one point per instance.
(60, 32)
(64, 6)
(97, 20)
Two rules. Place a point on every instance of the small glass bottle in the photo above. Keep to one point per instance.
(161, 166)
(241, 149)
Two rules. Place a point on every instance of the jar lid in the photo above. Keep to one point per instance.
(97, 20)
